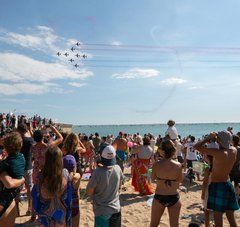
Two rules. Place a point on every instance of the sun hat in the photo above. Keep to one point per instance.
(108, 156)
(225, 139)
(69, 162)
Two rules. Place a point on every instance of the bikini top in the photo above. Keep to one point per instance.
(167, 182)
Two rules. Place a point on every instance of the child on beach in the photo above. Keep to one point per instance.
(70, 164)
(14, 166)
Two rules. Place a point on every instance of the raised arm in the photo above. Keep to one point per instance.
(59, 136)
(81, 147)
(10, 182)
(208, 151)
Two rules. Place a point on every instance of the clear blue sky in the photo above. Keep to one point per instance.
(154, 60)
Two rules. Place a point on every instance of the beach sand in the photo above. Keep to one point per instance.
(136, 212)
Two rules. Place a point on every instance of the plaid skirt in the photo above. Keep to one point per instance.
(222, 197)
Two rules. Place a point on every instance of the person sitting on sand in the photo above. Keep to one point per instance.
(104, 187)
(144, 158)
(168, 174)
(221, 193)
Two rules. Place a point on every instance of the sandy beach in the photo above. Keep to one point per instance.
(135, 210)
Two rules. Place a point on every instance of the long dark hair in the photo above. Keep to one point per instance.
(52, 171)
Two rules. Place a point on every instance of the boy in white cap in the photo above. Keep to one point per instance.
(104, 187)
(221, 193)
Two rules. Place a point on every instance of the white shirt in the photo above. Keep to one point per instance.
(152, 143)
(191, 152)
(179, 149)
(172, 132)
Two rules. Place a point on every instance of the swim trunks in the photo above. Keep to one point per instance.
(222, 197)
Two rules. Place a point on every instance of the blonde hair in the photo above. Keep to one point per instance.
(52, 171)
(70, 144)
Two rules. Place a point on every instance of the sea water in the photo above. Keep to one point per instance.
(197, 130)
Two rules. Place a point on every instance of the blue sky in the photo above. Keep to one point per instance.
(147, 61)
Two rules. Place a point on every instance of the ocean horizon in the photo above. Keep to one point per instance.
(184, 129)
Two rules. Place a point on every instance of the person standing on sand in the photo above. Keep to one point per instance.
(121, 146)
(221, 193)
(104, 187)
(144, 158)
(168, 174)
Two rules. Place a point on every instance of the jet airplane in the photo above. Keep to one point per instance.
(66, 54)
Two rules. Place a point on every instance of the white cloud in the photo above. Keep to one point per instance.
(25, 88)
(173, 81)
(137, 73)
(75, 84)
(16, 67)
(195, 87)
(36, 74)
(116, 43)
(12, 100)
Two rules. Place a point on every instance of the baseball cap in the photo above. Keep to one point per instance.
(108, 156)
(225, 138)
(69, 162)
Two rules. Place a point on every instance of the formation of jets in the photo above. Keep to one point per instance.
(84, 56)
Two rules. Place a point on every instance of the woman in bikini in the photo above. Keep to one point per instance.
(168, 174)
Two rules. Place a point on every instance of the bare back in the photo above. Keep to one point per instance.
(121, 144)
(222, 164)
(168, 174)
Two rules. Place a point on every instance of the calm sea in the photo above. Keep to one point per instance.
(196, 130)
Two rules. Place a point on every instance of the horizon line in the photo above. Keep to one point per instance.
(181, 123)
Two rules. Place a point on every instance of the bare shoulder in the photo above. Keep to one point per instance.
(232, 150)
(177, 164)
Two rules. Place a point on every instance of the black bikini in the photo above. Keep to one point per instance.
(167, 200)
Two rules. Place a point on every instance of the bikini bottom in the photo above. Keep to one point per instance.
(167, 200)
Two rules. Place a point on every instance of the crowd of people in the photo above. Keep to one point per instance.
(36, 157)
